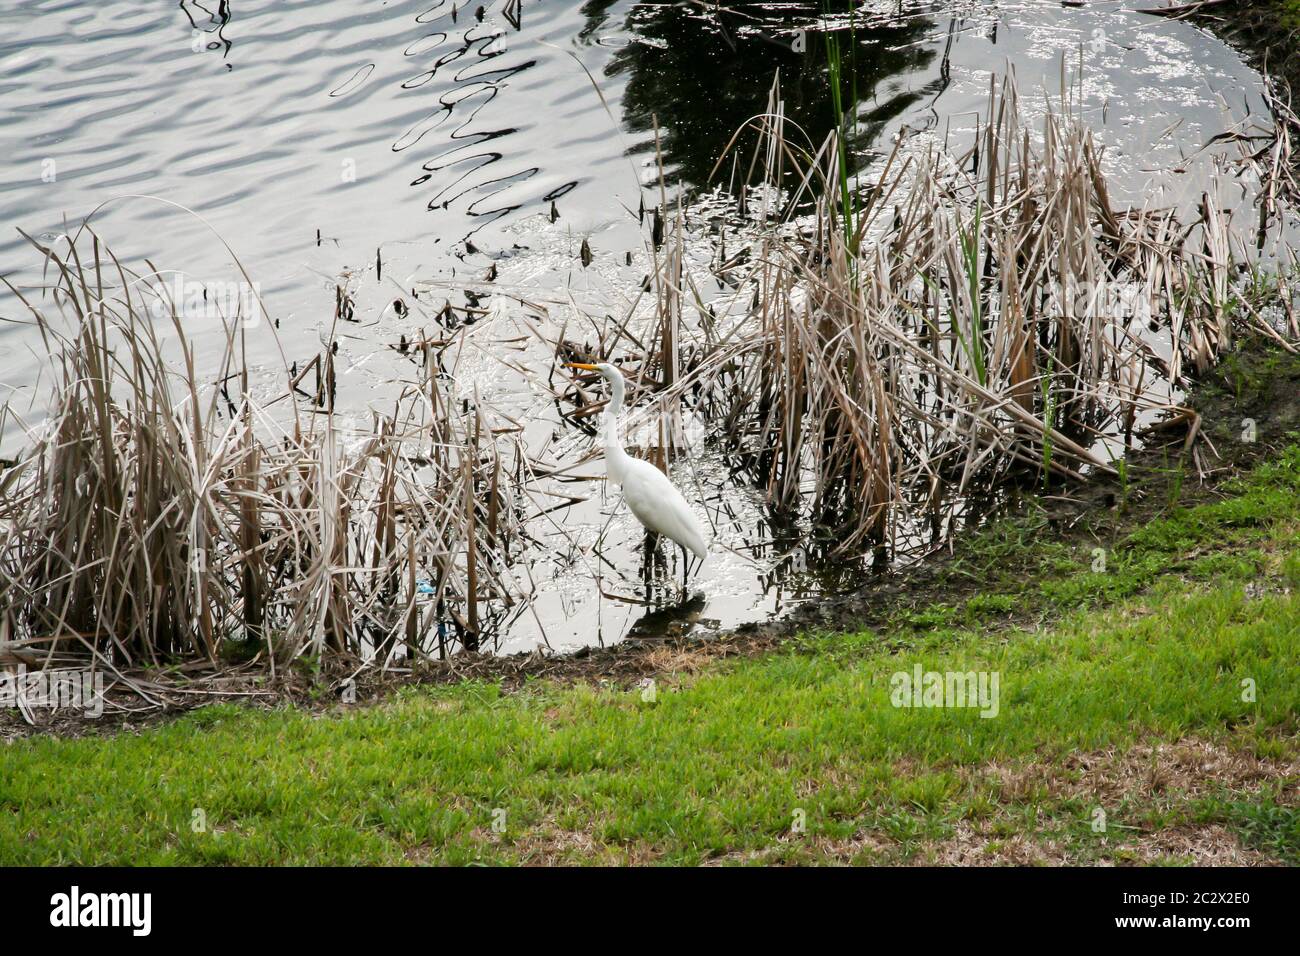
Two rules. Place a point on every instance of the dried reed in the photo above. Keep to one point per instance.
(156, 518)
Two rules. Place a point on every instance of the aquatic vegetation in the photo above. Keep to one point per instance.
(156, 517)
(976, 316)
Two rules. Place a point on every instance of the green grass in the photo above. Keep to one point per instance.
(1290, 10)
(723, 763)
(1023, 568)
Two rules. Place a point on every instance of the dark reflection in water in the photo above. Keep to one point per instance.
(210, 22)
(475, 65)
(701, 74)
(476, 158)
(670, 621)
(702, 77)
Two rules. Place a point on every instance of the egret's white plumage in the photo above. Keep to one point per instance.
(650, 496)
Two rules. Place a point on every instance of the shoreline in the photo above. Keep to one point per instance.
(1260, 384)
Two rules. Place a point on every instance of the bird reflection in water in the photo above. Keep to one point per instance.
(673, 620)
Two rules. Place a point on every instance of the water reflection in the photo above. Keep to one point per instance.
(469, 169)
(475, 157)
(210, 23)
(702, 75)
(671, 621)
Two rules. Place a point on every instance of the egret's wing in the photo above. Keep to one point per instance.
(659, 506)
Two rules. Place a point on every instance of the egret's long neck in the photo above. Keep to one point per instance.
(616, 458)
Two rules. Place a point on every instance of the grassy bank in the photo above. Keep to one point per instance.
(1269, 30)
(1130, 708)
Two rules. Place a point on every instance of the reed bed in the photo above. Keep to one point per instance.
(157, 516)
(959, 319)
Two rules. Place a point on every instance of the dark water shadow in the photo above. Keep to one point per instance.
(701, 77)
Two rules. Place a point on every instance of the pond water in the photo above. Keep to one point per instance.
(406, 150)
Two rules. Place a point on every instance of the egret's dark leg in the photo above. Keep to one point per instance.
(647, 566)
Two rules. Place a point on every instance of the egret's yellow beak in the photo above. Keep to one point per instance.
(582, 365)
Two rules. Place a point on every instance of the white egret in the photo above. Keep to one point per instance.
(650, 496)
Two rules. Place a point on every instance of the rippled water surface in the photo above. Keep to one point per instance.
(409, 148)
